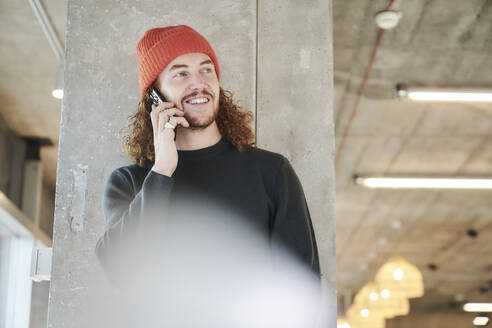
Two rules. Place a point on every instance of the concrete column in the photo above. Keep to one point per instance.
(101, 91)
(295, 112)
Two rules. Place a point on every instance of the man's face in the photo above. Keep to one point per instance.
(192, 77)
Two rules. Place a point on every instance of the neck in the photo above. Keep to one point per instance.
(188, 139)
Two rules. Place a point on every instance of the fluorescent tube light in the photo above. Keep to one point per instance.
(478, 307)
(445, 94)
(434, 183)
(481, 320)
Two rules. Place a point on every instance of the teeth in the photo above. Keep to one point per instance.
(198, 101)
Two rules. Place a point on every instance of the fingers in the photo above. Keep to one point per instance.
(164, 105)
(165, 115)
(179, 121)
(168, 111)
(161, 114)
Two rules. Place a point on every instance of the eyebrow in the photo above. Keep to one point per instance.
(208, 61)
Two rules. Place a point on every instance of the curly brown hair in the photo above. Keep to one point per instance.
(232, 121)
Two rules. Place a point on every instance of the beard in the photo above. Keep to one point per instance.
(202, 121)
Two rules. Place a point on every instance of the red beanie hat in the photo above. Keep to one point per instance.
(159, 46)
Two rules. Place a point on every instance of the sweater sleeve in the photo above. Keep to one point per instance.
(130, 216)
(292, 228)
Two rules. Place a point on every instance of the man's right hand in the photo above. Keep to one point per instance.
(166, 154)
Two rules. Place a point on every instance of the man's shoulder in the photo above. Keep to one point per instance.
(265, 157)
(130, 173)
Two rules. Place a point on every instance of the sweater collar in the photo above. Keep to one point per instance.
(206, 152)
(203, 153)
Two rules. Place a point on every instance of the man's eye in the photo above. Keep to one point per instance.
(183, 74)
(208, 70)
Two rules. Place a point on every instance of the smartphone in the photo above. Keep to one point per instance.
(157, 99)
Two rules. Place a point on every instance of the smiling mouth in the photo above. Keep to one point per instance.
(198, 101)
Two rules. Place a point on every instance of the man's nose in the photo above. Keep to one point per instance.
(197, 80)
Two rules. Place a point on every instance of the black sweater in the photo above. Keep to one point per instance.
(260, 185)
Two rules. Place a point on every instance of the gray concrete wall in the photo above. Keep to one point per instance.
(295, 112)
(101, 91)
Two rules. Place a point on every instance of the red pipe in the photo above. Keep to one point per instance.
(361, 90)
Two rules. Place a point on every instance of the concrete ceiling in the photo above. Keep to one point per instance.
(439, 42)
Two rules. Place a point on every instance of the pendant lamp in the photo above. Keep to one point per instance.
(400, 276)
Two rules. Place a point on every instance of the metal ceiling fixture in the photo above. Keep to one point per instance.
(388, 19)
(47, 27)
(55, 44)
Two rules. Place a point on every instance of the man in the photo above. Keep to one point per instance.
(196, 149)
